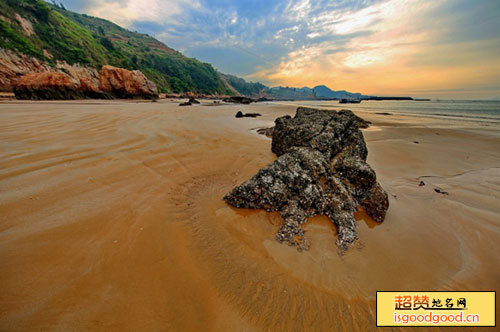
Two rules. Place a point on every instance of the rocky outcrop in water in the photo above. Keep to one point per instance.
(321, 170)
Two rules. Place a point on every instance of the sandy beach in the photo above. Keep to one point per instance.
(112, 219)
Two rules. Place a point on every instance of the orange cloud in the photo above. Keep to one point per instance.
(401, 55)
(125, 12)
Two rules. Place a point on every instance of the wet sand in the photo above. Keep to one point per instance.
(111, 218)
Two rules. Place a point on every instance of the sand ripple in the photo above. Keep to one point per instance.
(112, 219)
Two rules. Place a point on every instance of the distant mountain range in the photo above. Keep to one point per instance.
(318, 92)
(322, 91)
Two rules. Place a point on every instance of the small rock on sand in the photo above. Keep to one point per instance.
(439, 191)
(247, 115)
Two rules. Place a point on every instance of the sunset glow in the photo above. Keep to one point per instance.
(443, 48)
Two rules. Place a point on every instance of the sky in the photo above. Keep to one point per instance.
(431, 48)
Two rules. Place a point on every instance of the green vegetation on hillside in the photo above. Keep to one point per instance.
(77, 38)
(12, 39)
(244, 87)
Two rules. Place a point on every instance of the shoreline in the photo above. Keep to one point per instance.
(452, 117)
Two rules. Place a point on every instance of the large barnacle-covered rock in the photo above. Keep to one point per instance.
(321, 169)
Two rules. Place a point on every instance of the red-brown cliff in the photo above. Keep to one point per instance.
(124, 83)
(82, 83)
(46, 85)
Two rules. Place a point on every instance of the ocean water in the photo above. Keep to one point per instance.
(465, 110)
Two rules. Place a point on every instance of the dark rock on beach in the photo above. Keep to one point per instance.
(263, 99)
(439, 191)
(321, 170)
(239, 100)
(190, 102)
(247, 115)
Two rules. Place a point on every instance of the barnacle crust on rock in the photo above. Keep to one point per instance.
(321, 170)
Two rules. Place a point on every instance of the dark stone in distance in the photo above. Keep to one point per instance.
(239, 100)
(439, 191)
(247, 115)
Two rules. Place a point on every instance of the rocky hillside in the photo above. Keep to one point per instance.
(36, 36)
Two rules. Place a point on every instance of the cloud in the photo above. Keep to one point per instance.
(394, 47)
(372, 46)
(125, 12)
(374, 37)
